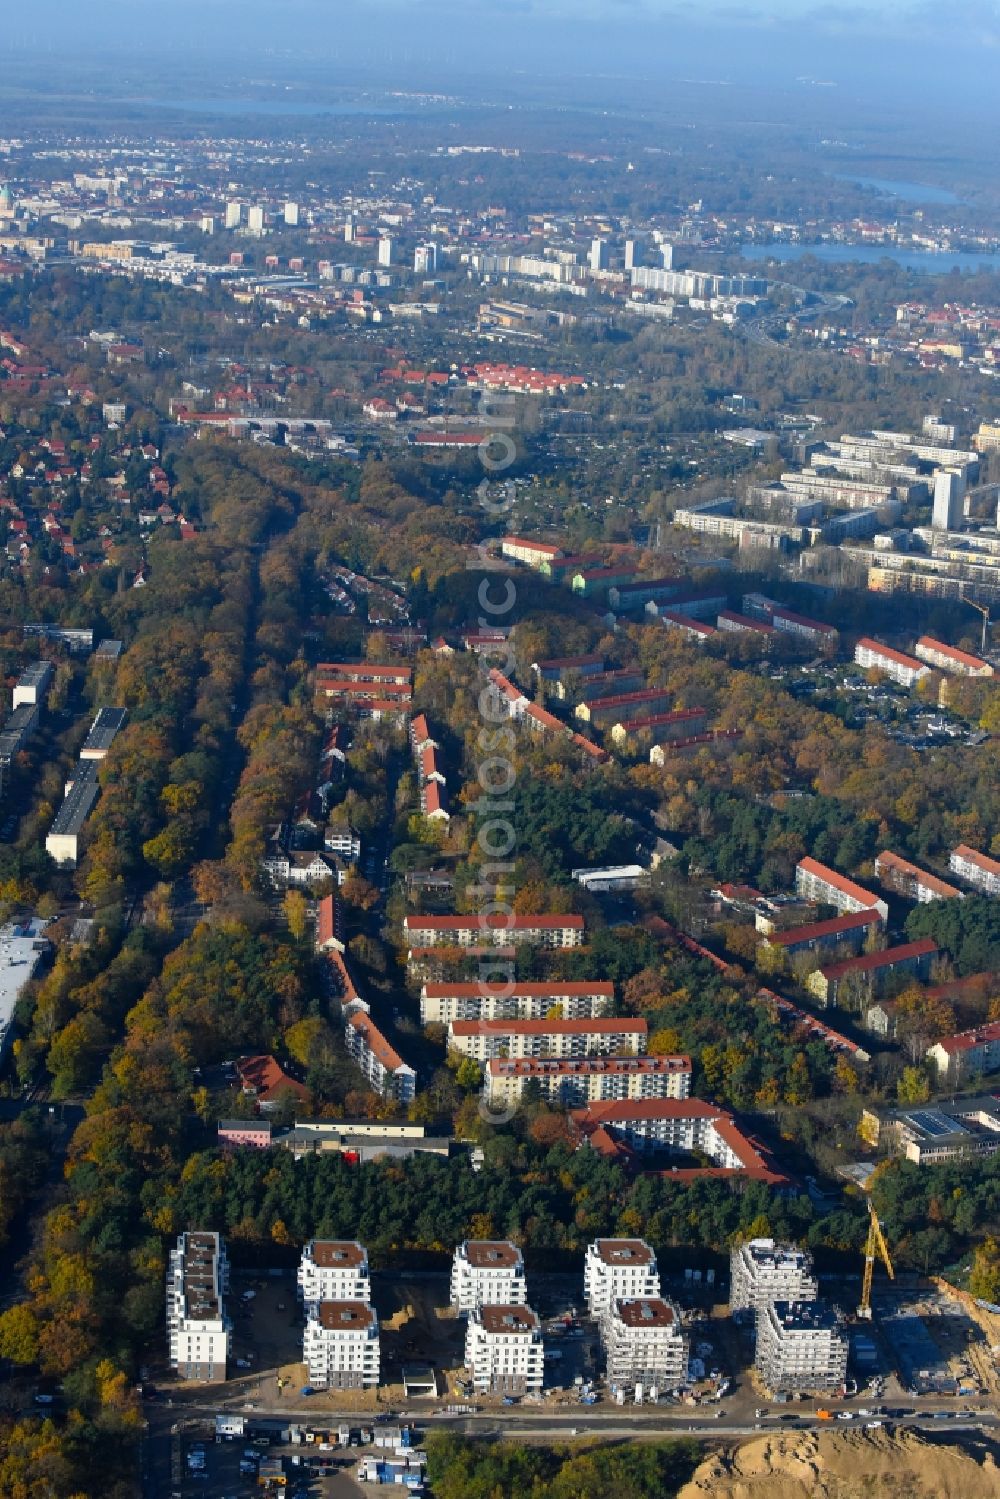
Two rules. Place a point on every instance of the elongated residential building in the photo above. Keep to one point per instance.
(583, 1080)
(815, 881)
(606, 1036)
(441, 1003)
(198, 1327)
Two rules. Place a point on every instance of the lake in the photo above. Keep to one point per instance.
(912, 260)
(911, 192)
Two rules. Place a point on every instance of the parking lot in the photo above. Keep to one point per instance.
(231, 1470)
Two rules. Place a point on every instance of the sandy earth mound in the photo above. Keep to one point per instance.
(848, 1465)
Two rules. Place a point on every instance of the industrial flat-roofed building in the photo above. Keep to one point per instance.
(487, 1272)
(962, 1129)
(800, 1346)
(340, 1346)
(103, 732)
(62, 842)
(198, 1328)
(504, 1351)
(333, 1270)
(644, 1343)
(616, 1268)
(761, 1271)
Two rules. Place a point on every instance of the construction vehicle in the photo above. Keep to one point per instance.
(874, 1245)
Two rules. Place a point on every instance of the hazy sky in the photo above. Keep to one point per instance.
(920, 53)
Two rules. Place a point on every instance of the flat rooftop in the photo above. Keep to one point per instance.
(340, 1254)
(492, 1254)
(645, 1311)
(103, 730)
(347, 1316)
(81, 797)
(625, 1252)
(508, 1319)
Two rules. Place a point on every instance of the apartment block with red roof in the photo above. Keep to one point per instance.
(378, 1059)
(605, 1036)
(910, 880)
(966, 1053)
(583, 1080)
(950, 659)
(816, 881)
(849, 931)
(871, 971)
(498, 928)
(874, 656)
(441, 1003)
(975, 868)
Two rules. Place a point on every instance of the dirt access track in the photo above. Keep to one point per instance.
(835, 1465)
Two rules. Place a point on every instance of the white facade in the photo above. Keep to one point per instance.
(467, 931)
(586, 1080)
(340, 1346)
(234, 215)
(484, 1039)
(893, 664)
(949, 499)
(618, 1268)
(800, 1346)
(385, 248)
(644, 1343)
(487, 1272)
(292, 214)
(378, 1058)
(504, 1351)
(198, 1328)
(975, 868)
(762, 1271)
(333, 1270)
(255, 220)
(441, 1003)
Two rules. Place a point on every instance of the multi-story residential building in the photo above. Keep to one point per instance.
(32, 684)
(606, 1036)
(679, 1126)
(540, 931)
(487, 1272)
(340, 1346)
(910, 880)
(378, 1059)
(198, 1327)
(660, 728)
(848, 931)
(618, 1268)
(785, 621)
(868, 973)
(732, 623)
(761, 1271)
(815, 881)
(800, 1347)
(949, 658)
(975, 868)
(333, 1270)
(525, 549)
(644, 1343)
(560, 667)
(442, 1003)
(874, 656)
(967, 1053)
(504, 1352)
(623, 705)
(587, 1079)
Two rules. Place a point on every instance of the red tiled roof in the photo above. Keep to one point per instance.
(603, 1026)
(887, 651)
(492, 922)
(838, 881)
(869, 962)
(817, 930)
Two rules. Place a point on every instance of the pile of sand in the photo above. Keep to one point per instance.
(845, 1465)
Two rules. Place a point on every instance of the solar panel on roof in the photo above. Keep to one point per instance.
(933, 1123)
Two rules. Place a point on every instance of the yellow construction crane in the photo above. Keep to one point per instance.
(983, 609)
(875, 1245)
